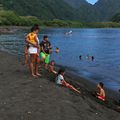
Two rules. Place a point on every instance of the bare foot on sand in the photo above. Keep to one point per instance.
(35, 76)
(39, 75)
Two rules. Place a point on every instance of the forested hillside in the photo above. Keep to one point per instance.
(80, 10)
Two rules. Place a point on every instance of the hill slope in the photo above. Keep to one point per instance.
(44, 9)
(81, 10)
(76, 3)
(107, 9)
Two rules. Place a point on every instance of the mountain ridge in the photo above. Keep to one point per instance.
(102, 10)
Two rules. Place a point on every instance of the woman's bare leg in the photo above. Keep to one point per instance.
(36, 65)
(32, 62)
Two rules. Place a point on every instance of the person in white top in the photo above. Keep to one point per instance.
(60, 81)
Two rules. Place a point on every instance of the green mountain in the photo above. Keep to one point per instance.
(116, 18)
(43, 9)
(103, 10)
(107, 9)
(76, 3)
(81, 10)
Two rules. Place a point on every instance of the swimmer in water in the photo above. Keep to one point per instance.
(80, 57)
(92, 58)
(57, 50)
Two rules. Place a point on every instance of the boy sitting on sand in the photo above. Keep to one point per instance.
(101, 91)
(51, 67)
(60, 81)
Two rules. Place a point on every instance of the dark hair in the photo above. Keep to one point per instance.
(52, 61)
(45, 36)
(119, 90)
(101, 84)
(35, 27)
(61, 71)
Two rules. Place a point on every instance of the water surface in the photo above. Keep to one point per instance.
(103, 44)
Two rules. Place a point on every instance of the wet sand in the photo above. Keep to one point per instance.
(23, 97)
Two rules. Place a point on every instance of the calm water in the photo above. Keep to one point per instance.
(103, 44)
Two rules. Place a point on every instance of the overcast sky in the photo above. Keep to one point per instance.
(92, 1)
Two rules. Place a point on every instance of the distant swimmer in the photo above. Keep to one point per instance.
(69, 33)
(80, 57)
(57, 50)
(88, 57)
(92, 58)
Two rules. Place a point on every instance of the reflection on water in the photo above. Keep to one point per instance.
(103, 44)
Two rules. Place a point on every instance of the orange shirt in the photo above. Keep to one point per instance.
(32, 37)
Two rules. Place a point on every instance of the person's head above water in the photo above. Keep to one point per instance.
(35, 29)
(61, 71)
(45, 37)
(80, 57)
(57, 50)
(100, 85)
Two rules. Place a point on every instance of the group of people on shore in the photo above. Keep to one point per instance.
(38, 54)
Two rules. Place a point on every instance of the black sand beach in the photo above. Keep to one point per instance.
(25, 98)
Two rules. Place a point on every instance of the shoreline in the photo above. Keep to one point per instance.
(79, 79)
(90, 84)
(23, 96)
(12, 29)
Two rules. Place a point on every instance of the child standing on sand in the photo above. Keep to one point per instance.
(45, 51)
(101, 91)
(60, 81)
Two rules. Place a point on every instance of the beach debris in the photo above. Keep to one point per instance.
(29, 112)
(40, 86)
(4, 103)
(40, 101)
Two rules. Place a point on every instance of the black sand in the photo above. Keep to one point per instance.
(25, 98)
